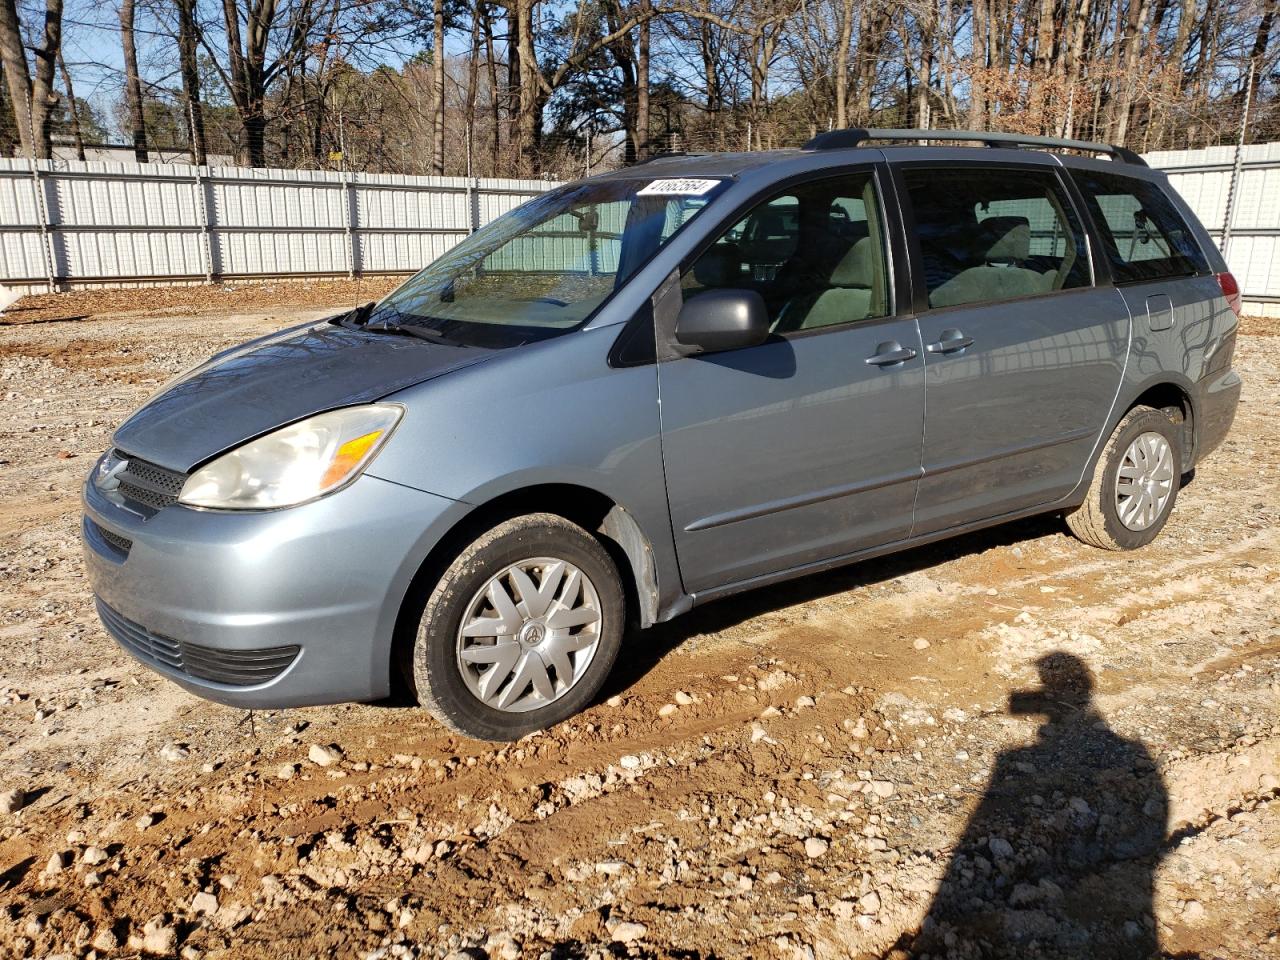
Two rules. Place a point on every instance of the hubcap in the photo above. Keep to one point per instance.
(529, 634)
(1144, 482)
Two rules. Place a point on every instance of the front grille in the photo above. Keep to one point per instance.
(148, 483)
(141, 642)
(236, 668)
(119, 544)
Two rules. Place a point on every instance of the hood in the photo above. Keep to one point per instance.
(250, 390)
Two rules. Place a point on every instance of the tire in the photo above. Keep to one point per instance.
(451, 673)
(1098, 520)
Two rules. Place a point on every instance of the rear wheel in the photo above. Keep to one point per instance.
(1135, 483)
(521, 630)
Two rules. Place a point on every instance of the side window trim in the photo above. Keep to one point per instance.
(918, 287)
(894, 251)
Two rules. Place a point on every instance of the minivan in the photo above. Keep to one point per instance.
(654, 388)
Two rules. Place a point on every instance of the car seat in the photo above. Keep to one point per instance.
(854, 292)
(1003, 246)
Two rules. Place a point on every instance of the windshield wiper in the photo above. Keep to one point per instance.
(415, 330)
(358, 319)
(354, 318)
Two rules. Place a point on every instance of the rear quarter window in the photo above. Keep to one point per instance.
(1143, 234)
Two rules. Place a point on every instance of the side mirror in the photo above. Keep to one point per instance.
(725, 319)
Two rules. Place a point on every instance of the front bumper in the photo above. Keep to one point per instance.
(268, 609)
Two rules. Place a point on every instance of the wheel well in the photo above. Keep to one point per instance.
(616, 530)
(1173, 400)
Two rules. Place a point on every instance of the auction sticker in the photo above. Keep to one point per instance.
(677, 187)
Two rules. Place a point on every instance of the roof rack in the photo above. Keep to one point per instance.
(853, 137)
(665, 155)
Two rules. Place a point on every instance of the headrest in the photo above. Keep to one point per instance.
(720, 266)
(855, 267)
(1006, 239)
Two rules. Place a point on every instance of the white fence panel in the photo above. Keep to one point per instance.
(113, 223)
(1203, 178)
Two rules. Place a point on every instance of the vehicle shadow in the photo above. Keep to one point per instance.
(1058, 858)
(642, 650)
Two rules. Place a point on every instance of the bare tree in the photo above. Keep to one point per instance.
(187, 66)
(31, 93)
(437, 128)
(132, 83)
(73, 108)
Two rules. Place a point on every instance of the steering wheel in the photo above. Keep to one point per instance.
(555, 302)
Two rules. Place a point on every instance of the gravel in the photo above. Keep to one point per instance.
(821, 789)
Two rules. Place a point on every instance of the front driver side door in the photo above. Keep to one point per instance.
(807, 447)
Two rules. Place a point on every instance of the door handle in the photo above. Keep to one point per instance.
(951, 341)
(889, 353)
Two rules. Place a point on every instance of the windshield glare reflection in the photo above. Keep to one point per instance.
(546, 267)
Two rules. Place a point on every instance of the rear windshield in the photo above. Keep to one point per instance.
(544, 268)
(1142, 232)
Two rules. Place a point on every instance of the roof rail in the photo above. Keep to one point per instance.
(856, 136)
(665, 155)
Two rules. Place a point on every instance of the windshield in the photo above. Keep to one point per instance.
(544, 268)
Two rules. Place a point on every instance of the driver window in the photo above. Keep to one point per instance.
(815, 253)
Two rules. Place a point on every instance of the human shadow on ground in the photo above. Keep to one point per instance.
(1058, 859)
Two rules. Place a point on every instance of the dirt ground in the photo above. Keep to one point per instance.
(1025, 746)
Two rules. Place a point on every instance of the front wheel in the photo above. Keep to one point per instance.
(521, 630)
(1135, 484)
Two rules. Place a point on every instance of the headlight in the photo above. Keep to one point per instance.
(300, 462)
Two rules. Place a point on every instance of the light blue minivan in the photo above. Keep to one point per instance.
(654, 388)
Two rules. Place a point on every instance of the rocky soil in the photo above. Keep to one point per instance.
(1005, 745)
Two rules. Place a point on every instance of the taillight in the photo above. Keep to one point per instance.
(1231, 290)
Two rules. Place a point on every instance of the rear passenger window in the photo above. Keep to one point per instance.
(994, 234)
(815, 254)
(1144, 235)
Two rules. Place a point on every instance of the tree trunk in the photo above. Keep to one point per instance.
(946, 56)
(871, 33)
(1042, 62)
(255, 134)
(17, 78)
(926, 25)
(34, 97)
(199, 144)
(711, 74)
(978, 33)
(844, 39)
(44, 98)
(248, 76)
(8, 129)
(529, 126)
(437, 64)
(473, 84)
(642, 84)
(1261, 40)
(73, 106)
(515, 79)
(1139, 11)
(495, 104)
(132, 84)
